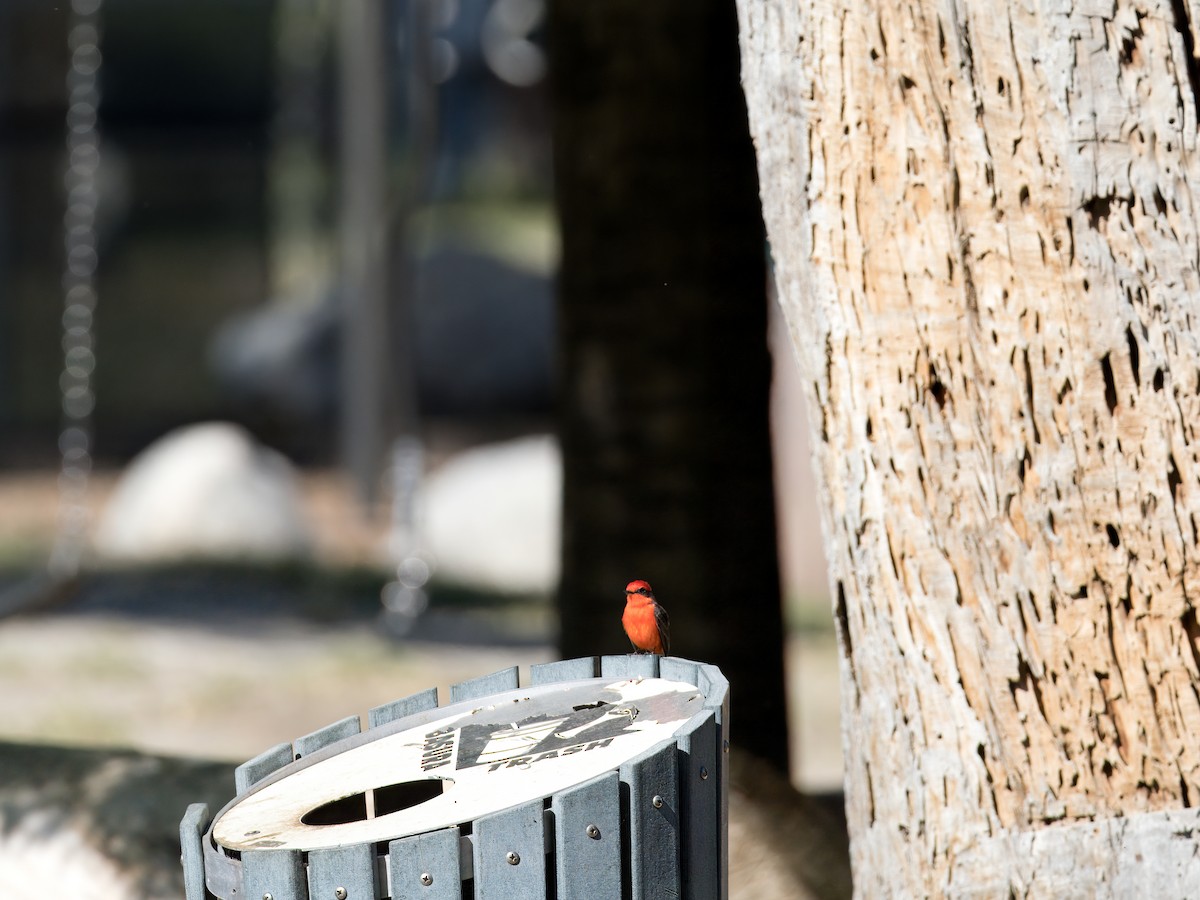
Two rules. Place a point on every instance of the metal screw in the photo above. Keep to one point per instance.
(339, 893)
(426, 879)
(656, 801)
(268, 896)
(593, 832)
(703, 773)
(513, 857)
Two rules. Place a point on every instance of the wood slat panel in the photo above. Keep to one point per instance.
(399, 709)
(323, 737)
(191, 846)
(434, 854)
(520, 831)
(653, 829)
(672, 668)
(497, 682)
(564, 670)
(716, 693)
(252, 772)
(630, 665)
(587, 840)
(699, 808)
(715, 688)
(350, 868)
(279, 873)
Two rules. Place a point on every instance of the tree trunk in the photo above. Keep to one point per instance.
(665, 369)
(985, 229)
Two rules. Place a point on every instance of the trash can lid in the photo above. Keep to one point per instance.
(457, 763)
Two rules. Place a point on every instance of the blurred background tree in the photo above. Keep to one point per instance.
(665, 371)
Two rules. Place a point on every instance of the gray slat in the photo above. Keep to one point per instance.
(351, 868)
(587, 840)
(723, 806)
(497, 682)
(702, 855)
(433, 854)
(279, 873)
(191, 846)
(521, 831)
(715, 688)
(672, 668)
(716, 697)
(250, 773)
(563, 670)
(653, 830)
(402, 708)
(323, 737)
(630, 665)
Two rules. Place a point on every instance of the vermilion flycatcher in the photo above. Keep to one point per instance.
(645, 621)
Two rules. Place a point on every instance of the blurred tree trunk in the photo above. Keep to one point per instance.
(665, 369)
(984, 224)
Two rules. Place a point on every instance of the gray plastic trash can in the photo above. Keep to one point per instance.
(601, 779)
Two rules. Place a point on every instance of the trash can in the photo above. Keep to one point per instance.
(603, 778)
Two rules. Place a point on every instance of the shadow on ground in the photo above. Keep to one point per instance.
(230, 597)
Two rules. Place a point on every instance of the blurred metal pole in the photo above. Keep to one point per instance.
(422, 96)
(409, 195)
(404, 599)
(364, 242)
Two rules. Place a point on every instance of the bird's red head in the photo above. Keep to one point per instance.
(639, 587)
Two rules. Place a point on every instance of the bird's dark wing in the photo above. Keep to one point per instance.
(664, 627)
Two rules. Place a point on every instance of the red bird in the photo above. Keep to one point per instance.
(645, 621)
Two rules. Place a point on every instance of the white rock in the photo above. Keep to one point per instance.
(204, 491)
(39, 858)
(493, 516)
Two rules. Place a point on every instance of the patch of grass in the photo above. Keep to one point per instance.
(106, 662)
(73, 723)
(224, 593)
(20, 553)
(354, 654)
(808, 614)
(451, 595)
(298, 588)
(218, 691)
(524, 235)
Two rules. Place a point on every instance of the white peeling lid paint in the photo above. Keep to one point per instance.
(477, 759)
